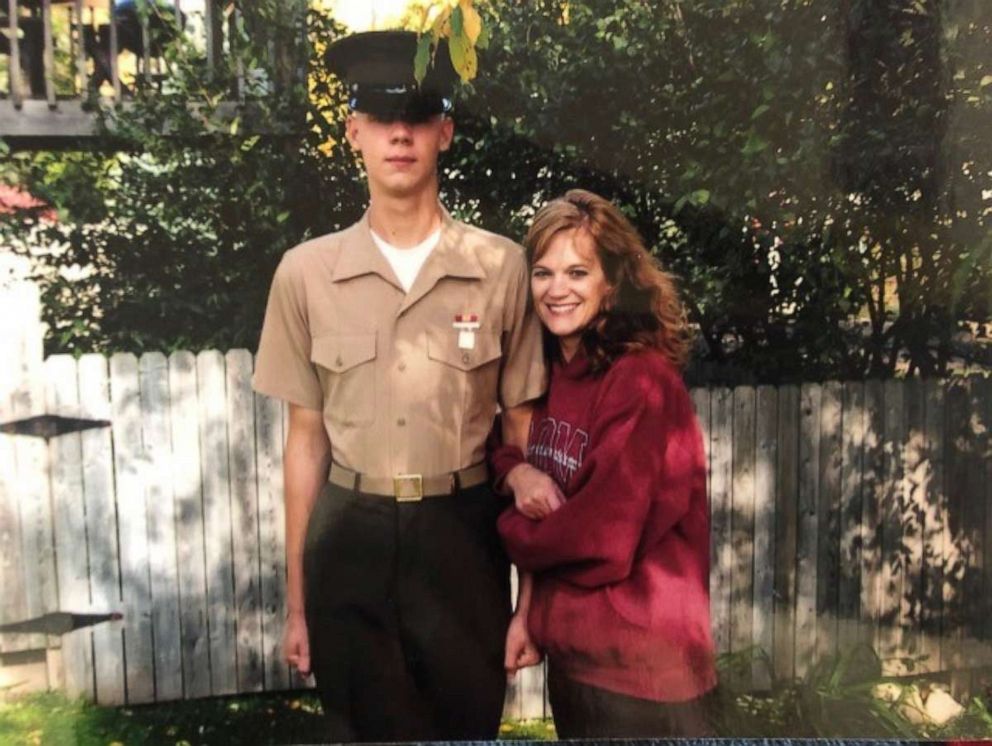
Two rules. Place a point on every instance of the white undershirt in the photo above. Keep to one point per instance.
(406, 263)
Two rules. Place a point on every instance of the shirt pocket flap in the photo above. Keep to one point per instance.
(341, 352)
(442, 346)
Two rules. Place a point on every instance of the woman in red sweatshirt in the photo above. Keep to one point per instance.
(616, 572)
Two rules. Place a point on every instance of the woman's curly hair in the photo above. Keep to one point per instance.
(642, 307)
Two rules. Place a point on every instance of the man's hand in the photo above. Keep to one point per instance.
(296, 643)
(520, 648)
(535, 494)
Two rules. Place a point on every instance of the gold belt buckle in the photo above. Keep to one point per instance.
(408, 488)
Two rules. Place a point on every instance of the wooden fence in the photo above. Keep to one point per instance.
(841, 512)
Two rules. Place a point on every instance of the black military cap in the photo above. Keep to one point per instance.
(378, 68)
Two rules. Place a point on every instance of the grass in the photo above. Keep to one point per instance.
(527, 730)
(835, 699)
(51, 719)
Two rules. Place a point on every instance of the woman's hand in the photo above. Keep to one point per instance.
(296, 643)
(520, 648)
(535, 494)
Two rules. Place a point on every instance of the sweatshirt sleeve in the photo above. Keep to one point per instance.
(628, 472)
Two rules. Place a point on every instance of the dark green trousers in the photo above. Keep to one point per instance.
(407, 607)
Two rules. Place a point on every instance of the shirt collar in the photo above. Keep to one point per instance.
(451, 257)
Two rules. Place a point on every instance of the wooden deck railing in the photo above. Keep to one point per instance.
(58, 55)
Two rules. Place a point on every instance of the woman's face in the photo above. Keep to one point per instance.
(568, 286)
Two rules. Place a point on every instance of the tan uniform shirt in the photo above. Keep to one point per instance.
(399, 391)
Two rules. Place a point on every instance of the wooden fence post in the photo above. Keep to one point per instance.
(27, 568)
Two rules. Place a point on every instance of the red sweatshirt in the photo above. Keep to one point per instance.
(621, 597)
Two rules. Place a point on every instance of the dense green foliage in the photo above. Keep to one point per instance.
(786, 158)
(178, 212)
(817, 173)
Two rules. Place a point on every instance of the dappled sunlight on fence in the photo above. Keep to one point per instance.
(842, 513)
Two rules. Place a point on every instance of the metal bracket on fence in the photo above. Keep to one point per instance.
(58, 623)
(49, 426)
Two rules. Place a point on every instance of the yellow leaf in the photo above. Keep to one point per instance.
(471, 21)
(986, 81)
(463, 58)
(471, 64)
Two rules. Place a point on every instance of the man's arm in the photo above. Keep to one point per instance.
(516, 425)
(534, 493)
(305, 463)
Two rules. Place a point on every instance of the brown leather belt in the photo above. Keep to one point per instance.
(409, 487)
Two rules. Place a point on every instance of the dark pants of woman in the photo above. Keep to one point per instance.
(407, 606)
(583, 711)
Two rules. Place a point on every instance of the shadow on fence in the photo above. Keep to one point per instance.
(842, 513)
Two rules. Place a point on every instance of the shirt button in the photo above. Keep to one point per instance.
(401, 366)
(401, 421)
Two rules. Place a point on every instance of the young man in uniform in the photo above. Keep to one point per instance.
(393, 341)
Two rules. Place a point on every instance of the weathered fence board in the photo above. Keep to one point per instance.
(810, 396)
(828, 520)
(871, 517)
(893, 564)
(721, 507)
(271, 522)
(915, 498)
(786, 532)
(130, 475)
(156, 441)
(186, 481)
(935, 525)
(14, 328)
(15, 602)
(68, 517)
(742, 519)
(766, 454)
(701, 402)
(31, 489)
(101, 533)
(217, 521)
(955, 547)
(969, 497)
(244, 521)
(851, 540)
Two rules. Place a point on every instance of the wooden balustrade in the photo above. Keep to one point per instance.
(58, 56)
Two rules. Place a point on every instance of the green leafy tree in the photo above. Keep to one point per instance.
(816, 173)
(724, 128)
(176, 215)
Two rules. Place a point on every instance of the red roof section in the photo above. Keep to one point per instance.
(13, 199)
